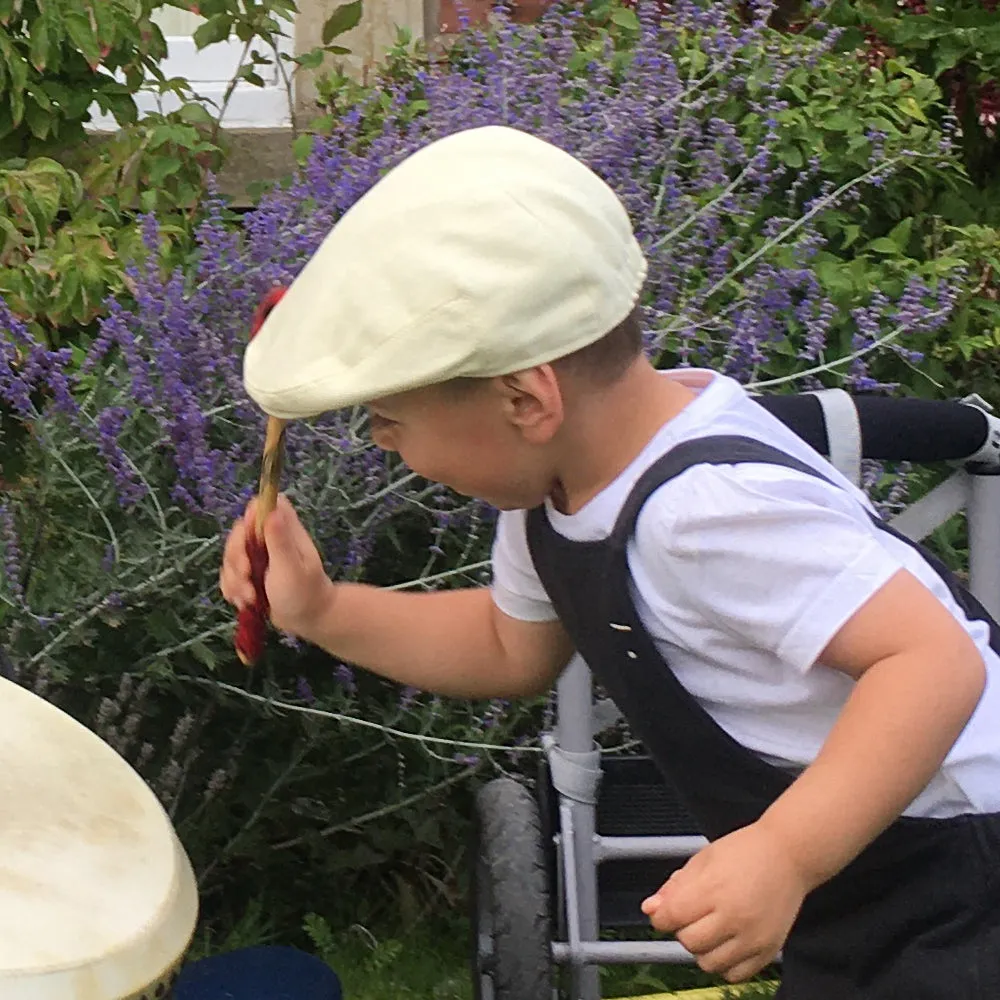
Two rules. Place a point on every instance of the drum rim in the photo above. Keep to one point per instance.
(163, 935)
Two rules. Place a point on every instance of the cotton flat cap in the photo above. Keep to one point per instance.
(484, 253)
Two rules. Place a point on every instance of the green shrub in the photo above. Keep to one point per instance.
(956, 43)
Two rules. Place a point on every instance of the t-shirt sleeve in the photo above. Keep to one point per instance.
(775, 558)
(517, 590)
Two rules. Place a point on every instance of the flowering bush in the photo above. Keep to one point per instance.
(137, 458)
(957, 43)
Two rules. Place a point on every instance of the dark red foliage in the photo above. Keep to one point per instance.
(251, 625)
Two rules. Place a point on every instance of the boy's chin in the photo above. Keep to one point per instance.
(512, 503)
(507, 502)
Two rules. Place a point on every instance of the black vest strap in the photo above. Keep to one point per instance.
(723, 449)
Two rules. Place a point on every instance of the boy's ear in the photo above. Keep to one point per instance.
(532, 402)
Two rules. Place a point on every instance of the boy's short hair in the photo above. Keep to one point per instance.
(605, 361)
(601, 363)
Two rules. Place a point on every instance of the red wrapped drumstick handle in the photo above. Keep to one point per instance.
(251, 625)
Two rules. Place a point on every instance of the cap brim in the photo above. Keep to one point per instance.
(288, 373)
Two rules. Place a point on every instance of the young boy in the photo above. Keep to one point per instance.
(824, 700)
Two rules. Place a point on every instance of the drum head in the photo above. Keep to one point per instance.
(97, 897)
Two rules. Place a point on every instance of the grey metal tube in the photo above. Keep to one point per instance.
(574, 733)
(618, 848)
(984, 541)
(625, 952)
(572, 896)
(932, 510)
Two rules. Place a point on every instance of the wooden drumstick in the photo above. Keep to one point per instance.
(251, 626)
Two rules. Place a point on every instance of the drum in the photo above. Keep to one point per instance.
(97, 897)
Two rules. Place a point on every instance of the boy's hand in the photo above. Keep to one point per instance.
(298, 588)
(733, 904)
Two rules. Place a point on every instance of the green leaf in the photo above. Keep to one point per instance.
(950, 51)
(13, 237)
(17, 65)
(911, 108)
(851, 234)
(196, 114)
(303, 146)
(792, 157)
(626, 18)
(17, 106)
(69, 289)
(835, 276)
(988, 39)
(123, 108)
(82, 35)
(106, 22)
(40, 97)
(38, 120)
(163, 167)
(338, 50)
(215, 29)
(344, 18)
(310, 60)
(40, 48)
(203, 654)
(884, 245)
(248, 73)
(900, 236)
(6, 122)
(841, 121)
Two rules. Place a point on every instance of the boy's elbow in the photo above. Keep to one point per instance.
(532, 654)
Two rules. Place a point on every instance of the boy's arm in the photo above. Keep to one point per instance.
(919, 679)
(455, 643)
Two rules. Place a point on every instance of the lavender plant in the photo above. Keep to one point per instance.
(137, 460)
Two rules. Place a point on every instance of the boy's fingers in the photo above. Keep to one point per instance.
(652, 903)
(283, 530)
(234, 554)
(250, 515)
(234, 574)
(704, 935)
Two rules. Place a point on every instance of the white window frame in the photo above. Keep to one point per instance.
(209, 72)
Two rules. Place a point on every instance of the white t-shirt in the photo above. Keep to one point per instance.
(742, 574)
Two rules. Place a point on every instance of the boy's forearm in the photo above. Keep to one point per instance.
(895, 731)
(443, 642)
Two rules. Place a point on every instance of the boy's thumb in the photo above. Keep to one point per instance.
(276, 529)
(279, 527)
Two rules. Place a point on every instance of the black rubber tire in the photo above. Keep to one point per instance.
(511, 897)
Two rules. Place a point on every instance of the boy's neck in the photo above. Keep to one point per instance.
(608, 429)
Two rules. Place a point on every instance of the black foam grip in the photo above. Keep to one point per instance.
(902, 430)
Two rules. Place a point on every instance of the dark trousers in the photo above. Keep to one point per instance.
(915, 917)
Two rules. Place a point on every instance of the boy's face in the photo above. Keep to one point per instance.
(491, 439)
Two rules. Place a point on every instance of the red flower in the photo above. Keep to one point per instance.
(988, 107)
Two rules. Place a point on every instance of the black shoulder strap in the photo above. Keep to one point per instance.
(734, 449)
(716, 449)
